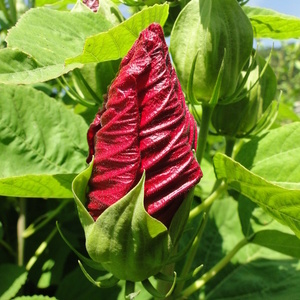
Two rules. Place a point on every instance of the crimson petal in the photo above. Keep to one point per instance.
(145, 125)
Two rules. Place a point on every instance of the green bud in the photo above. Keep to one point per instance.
(219, 36)
(253, 112)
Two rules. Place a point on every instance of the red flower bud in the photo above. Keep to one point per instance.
(144, 125)
(92, 4)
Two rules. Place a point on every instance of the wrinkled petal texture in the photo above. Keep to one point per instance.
(144, 125)
(92, 4)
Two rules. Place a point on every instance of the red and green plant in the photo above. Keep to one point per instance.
(103, 129)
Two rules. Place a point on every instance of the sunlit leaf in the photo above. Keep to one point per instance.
(268, 23)
(116, 42)
(275, 156)
(283, 204)
(48, 37)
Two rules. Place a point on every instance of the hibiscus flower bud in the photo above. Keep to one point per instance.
(92, 4)
(142, 141)
(256, 110)
(211, 39)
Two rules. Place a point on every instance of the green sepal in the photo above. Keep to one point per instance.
(180, 218)
(217, 88)
(124, 237)
(106, 282)
(86, 260)
(79, 186)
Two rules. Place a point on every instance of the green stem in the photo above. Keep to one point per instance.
(40, 249)
(192, 253)
(203, 133)
(208, 201)
(198, 284)
(129, 289)
(13, 12)
(5, 12)
(230, 142)
(21, 224)
(8, 248)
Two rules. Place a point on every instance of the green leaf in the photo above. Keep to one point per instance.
(275, 156)
(42, 144)
(48, 37)
(12, 279)
(38, 186)
(279, 241)
(116, 42)
(260, 279)
(245, 277)
(268, 23)
(17, 67)
(281, 203)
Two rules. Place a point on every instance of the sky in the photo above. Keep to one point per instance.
(289, 7)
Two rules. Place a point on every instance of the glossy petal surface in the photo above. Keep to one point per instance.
(144, 125)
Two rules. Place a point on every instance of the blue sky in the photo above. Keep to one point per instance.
(290, 7)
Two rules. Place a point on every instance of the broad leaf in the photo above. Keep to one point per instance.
(268, 23)
(238, 280)
(116, 42)
(283, 204)
(279, 241)
(275, 156)
(42, 144)
(260, 279)
(12, 279)
(48, 37)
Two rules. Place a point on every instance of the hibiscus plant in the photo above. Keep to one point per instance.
(145, 152)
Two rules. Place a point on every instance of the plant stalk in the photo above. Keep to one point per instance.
(203, 133)
(208, 201)
(198, 284)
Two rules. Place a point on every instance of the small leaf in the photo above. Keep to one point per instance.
(116, 42)
(281, 203)
(278, 241)
(12, 279)
(268, 23)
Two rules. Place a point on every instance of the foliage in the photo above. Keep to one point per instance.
(57, 59)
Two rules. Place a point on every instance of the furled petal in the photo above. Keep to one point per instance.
(145, 125)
